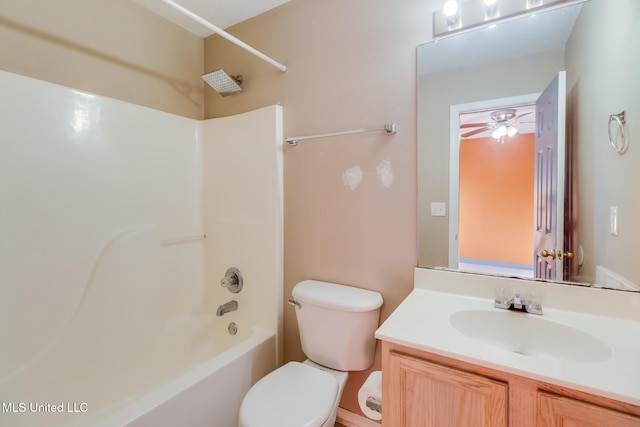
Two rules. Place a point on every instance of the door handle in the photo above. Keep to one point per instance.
(545, 253)
(567, 255)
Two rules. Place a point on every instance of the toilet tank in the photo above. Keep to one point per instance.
(337, 324)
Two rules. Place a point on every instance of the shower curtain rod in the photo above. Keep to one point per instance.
(226, 35)
(389, 129)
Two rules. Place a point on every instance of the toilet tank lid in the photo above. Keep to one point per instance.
(338, 297)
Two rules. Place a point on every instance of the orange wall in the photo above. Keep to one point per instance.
(496, 199)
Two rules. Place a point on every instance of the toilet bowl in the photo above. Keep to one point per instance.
(337, 325)
(295, 395)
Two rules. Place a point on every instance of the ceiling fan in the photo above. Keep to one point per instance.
(503, 123)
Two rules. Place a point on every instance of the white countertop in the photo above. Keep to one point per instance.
(421, 321)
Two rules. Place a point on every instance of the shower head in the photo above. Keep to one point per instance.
(223, 83)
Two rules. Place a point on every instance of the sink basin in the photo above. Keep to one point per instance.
(530, 335)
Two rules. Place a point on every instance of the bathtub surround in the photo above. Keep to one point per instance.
(95, 309)
(242, 202)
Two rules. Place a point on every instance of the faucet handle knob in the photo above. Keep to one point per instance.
(534, 303)
(232, 280)
(229, 281)
(502, 298)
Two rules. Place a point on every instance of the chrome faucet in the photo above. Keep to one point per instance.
(227, 307)
(517, 302)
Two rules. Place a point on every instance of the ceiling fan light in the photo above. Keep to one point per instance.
(499, 132)
(511, 130)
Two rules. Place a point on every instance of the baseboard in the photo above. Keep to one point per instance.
(349, 419)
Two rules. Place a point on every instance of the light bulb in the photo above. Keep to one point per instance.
(499, 132)
(491, 9)
(511, 131)
(533, 3)
(450, 8)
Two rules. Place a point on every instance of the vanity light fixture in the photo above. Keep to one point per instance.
(533, 3)
(455, 18)
(490, 9)
(450, 11)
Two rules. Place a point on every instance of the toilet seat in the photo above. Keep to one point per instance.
(295, 395)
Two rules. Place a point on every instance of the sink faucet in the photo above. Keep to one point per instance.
(227, 307)
(517, 302)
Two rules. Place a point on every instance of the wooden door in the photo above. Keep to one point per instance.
(549, 180)
(425, 394)
(559, 411)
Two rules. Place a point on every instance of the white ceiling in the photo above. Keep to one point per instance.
(221, 13)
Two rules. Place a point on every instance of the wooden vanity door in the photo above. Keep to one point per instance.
(425, 394)
(559, 411)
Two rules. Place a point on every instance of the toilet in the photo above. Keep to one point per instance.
(337, 325)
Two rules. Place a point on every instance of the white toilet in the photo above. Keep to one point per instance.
(337, 325)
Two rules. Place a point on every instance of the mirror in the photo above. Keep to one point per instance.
(597, 43)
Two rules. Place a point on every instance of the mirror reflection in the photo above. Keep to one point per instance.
(486, 188)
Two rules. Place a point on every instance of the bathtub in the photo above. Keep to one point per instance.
(207, 395)
(201, 381)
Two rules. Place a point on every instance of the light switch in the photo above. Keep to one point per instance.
(614, 220)
(438, 209)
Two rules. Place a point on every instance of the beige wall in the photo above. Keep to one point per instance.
(351, 64)
(603, 58)
(115, 48)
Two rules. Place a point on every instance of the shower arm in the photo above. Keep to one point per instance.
(225, 35)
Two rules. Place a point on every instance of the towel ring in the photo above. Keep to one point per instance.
(618, 132)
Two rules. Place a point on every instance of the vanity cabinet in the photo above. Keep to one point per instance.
(422, 393)
(422, 389)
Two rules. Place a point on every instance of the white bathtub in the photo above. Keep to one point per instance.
(201, 382)
(208, 394)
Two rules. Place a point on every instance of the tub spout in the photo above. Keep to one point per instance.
(227, 307)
